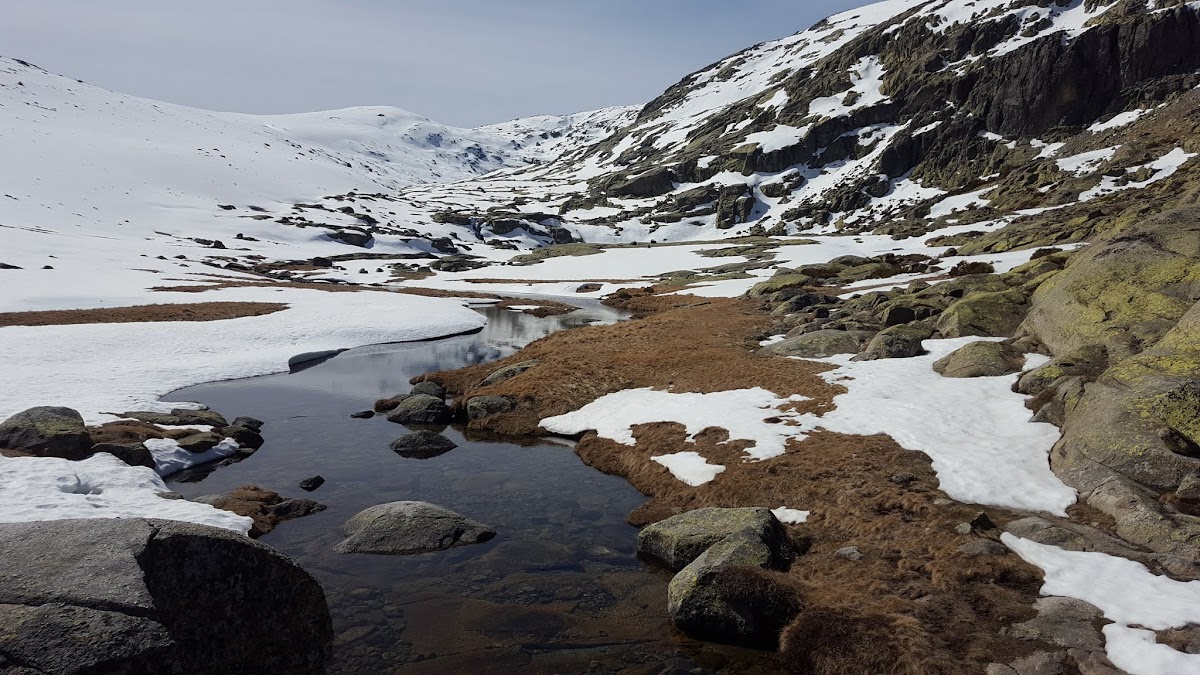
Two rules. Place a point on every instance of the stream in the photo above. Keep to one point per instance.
(559, 590)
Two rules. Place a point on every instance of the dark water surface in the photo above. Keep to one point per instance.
(559, 590)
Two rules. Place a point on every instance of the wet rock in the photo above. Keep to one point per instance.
(47, 432)
(249, 423)
(310, 484)
(180, 417)
(128, 596)
(480, 407)
(420, 409)
(820, 344)
(422, 445)
(508, 372)
(679, 540)
(245, 436)
(389, 404)
(429, 389)
(722, 597)
(897, 342)
(363, 415)
(401, 528)
(200, 442)
(265, 507)
(981, 359)
(133, 454)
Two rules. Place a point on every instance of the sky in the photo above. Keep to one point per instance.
(459, 62)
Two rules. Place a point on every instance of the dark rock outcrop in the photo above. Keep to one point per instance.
(47, 432)
(146, 596)
(401, 528)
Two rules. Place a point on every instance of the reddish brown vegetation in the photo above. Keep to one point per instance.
(201, 311)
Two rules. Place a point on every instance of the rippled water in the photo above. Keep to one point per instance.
(560, 588)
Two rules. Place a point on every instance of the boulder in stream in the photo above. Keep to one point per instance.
(401, 528)
(423, 445)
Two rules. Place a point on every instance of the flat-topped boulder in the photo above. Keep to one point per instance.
(47, 431)
(402, 528)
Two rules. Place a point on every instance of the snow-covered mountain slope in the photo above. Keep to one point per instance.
(77, 160)
(899, 117)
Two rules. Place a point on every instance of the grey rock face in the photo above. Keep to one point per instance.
(714, 598)
(423, 445)
(147, 596)
(133, 454)
(480, 407)
(897, 342)
(679, 540)
(420, 409)
(1064, 622)
(47, 432)
(508, 372)
(429, 389)
(400, 528)
(180, 417)
(980, 359)
(820, 344)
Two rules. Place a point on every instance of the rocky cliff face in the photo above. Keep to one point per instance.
(893, 117)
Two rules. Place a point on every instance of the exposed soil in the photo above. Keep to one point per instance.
(912, 604)
(544, 307)
(201, 311)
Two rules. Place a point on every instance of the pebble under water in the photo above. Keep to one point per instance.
(559, 590)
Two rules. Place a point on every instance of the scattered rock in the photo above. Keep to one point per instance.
(245, 436)
(849, 553)
(981, 359)
(200, 442)
(47, 432)
(897, 342)
(420, 409)
(724, 596)
(508, 372)
(249, 423)
(679, 540)
(1063, 622)
(429, 389)
(422, 445)
(267, 508)
(133, 454)
(820, 344)
(480, 407)
(310, 484)
(401, 528)
(363, 415)
(146, 596)
(982, 547)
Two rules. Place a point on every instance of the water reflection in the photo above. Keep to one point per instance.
(558, 590)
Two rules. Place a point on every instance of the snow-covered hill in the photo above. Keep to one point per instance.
(81, 161)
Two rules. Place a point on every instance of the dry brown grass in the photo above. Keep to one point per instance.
(201, 311)
(663, 350)
(912, 604)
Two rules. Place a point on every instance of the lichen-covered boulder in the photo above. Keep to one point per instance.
(679, 540)
(981, 359)
(420, 409)
(480, 407)
(508, 372)
(429, 389)
(820, 344)
(897, 342)
(991, 314)
(401, 528)
(723, 596)
(422, 444)
(47, 431)
(1125, 292)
